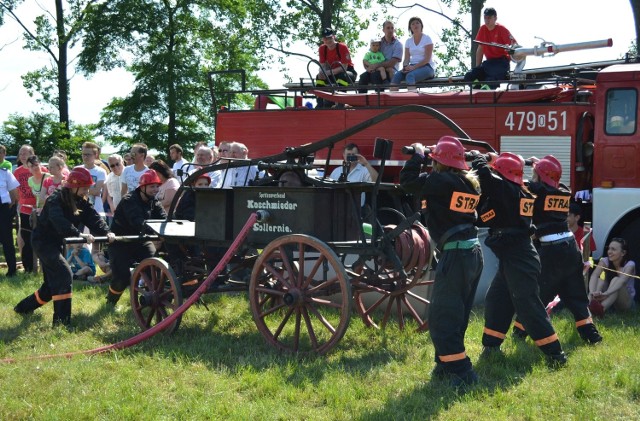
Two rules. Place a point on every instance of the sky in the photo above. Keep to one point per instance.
(561, 22)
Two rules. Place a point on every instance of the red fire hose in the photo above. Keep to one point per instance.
(143, 336)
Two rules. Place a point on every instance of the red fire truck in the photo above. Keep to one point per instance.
(586, 116)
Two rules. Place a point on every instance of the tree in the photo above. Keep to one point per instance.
(635, 7)
(45, 134)
(53, 34)
(170, 46)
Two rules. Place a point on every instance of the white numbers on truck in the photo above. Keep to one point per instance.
(531, 120)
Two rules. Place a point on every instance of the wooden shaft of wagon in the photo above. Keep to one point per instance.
(119, 238)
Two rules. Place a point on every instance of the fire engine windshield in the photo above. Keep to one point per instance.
(622, 108)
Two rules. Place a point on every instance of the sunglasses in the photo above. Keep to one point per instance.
(117, 164)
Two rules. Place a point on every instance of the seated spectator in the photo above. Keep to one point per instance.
(391, 48)
(80, 262)
(418, 57)
(496, 65)
(617, 288)
(337, 67)
(375, 59)
(169, 186)
(101, 259)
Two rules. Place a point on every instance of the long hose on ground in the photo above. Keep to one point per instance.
(143, 336)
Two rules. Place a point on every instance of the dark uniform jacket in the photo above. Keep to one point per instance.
(550, 208)
(504, 204)
(451, 199)
(57, 222)
(186, 208)
(132, 212)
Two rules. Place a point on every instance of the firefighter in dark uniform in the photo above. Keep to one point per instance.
(507, 208)
(451, 194)
(64, 211)
(560, 259)
(132, 211)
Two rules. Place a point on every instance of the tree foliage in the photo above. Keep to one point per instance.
(45, 134)
(51, 32)
(170, 46)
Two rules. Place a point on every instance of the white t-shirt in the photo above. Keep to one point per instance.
(131, 177)
(178, 165)
(98, 174)
(240, 176)
(416, 52)
(114, 188)
(8, 182)
(359, 174)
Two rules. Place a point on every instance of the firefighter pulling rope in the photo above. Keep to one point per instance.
(253, 218)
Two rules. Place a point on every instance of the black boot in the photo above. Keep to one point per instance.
(27, 305)
(112, 299)
(518, 333)
(590, 334)
(557, 360)
(62, 312)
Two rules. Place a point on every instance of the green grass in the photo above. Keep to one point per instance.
(217, 366)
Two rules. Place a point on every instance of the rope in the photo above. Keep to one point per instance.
(620, 272)
(143, 336)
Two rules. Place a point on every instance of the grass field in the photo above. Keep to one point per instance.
(217, 366)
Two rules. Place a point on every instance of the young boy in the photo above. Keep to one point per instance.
(80, 261)
(374, 56)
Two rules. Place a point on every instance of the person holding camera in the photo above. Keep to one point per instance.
(355, 167)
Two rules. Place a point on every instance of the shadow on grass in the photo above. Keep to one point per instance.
(12, 333)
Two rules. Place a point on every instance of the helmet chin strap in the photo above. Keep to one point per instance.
(143, 190)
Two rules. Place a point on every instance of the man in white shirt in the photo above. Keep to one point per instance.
(91, 153)
(131, 174)
(355, 168)
(239, 176)
(175, 153)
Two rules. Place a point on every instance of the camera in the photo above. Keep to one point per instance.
(352, 158)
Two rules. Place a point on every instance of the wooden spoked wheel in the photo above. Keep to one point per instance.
(155, 294)
(300, 295)
(381, 295)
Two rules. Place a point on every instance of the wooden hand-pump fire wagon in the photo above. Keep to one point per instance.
(306, 255)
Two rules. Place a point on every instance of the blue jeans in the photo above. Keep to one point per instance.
(414, 76)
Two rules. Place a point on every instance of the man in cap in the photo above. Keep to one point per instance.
(496, 66)
(134, 209)
(335, 59)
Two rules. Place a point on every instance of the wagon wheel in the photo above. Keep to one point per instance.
(155, 294)
(300, 295)
(383, 295)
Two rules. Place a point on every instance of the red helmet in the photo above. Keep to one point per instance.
(78, 177)
(450, 152)
(510, 166)
(205, 176)
(549, 170)
(149, 177)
